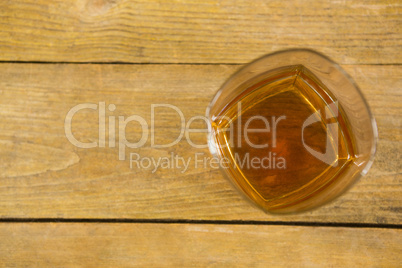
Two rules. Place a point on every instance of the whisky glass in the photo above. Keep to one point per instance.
(291, 130)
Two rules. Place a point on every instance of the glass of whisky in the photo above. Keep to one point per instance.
(291, 130)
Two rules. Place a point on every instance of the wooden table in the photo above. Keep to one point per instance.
(63, 206)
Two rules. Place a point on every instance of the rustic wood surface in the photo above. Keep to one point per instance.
(230, 31)
(198, 245)
(96, 211)
(44, 175)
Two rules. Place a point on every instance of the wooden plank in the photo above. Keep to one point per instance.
(185, 245)
(43, 175)
(230, 31)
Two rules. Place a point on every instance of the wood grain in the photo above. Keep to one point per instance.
(230, 31)
(185, 245)
(45, 176)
